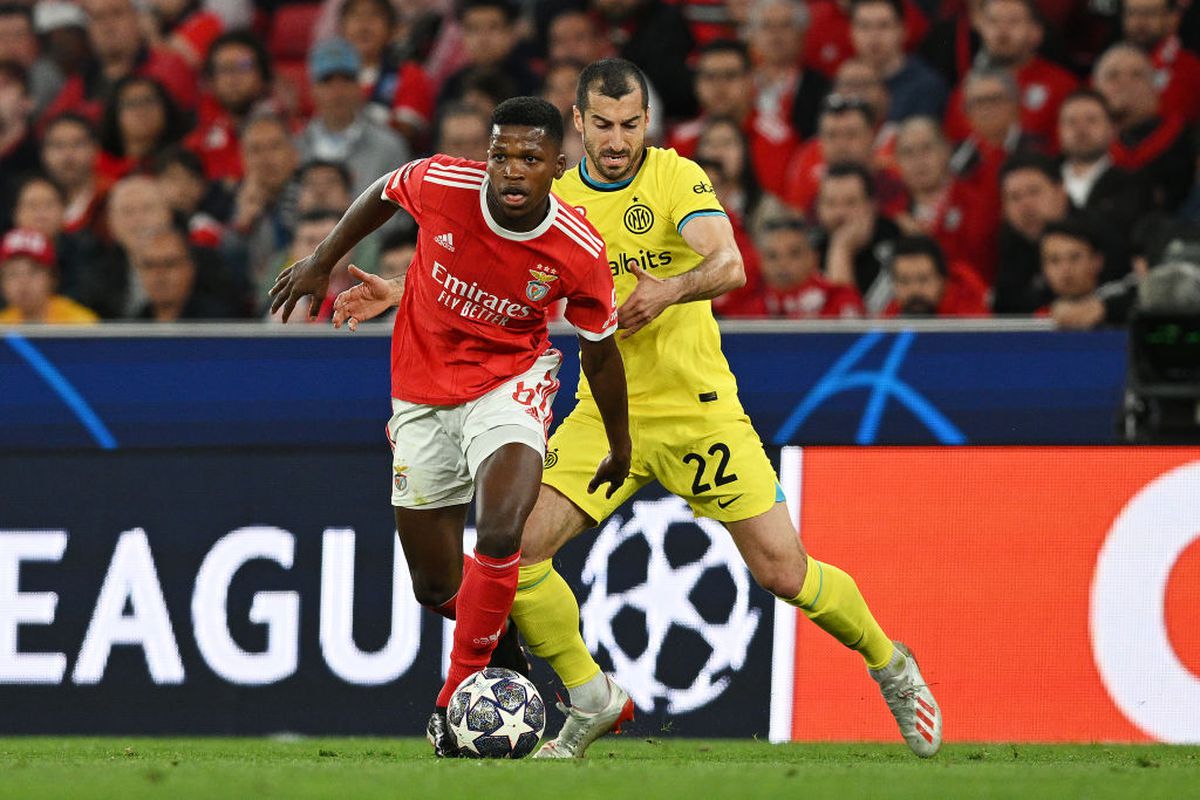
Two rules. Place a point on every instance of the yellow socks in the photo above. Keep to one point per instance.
(547, 615)
(831, 599)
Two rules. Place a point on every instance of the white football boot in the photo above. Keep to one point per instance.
(582, 728)
(911, 703)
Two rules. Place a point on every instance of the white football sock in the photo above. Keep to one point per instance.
(591, 696)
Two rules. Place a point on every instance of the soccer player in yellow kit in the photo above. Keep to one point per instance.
(671, 249)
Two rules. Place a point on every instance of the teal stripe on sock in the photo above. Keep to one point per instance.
(535, 583)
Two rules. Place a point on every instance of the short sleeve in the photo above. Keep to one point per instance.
(403, 187)
(592, 304)
(691, 193)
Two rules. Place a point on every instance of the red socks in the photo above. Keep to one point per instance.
(482, 606)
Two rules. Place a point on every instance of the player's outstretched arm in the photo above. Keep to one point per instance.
(367, 300)
(605, 371)
(309, 277)
(720, 271)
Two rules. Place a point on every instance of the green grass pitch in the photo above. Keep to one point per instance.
(623, 767)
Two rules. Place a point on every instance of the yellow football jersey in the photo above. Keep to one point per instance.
(675, 364)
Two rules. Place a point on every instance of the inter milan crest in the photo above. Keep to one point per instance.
(537, 289)
(639, 218)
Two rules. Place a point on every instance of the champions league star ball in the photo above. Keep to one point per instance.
(497, 713)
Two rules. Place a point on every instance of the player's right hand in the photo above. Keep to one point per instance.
(368, 299)
(305, 278)
(613, 470)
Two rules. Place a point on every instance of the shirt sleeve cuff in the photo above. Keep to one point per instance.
(592, 336)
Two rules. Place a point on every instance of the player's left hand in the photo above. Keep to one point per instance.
(613, 470)
(645, 303)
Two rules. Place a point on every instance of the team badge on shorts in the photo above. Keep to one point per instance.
(537, 289)
(401, 478)
(551, 458)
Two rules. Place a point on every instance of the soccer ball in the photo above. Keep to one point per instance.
(496, 713)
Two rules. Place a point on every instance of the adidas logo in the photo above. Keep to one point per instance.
(446, 240)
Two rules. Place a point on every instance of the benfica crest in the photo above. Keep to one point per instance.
(537, 289)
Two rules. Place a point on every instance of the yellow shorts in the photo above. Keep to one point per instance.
(716, 463)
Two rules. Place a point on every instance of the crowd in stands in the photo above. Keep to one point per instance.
(164, 159)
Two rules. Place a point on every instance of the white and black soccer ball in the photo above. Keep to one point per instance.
(497, 713)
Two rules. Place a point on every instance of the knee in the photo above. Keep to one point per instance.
(784, 580)
(433, 590)
(498, 538)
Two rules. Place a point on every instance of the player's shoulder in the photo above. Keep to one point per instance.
(579, 236)
(669, 169)
(452, 172)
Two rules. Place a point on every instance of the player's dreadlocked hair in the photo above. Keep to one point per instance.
(533, 112)
(610, 77)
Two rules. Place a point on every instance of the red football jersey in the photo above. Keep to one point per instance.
(477, 295)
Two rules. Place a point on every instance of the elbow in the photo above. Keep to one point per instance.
(735, 271)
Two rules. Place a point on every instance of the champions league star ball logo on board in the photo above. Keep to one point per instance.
(649, 628)
(537, 289)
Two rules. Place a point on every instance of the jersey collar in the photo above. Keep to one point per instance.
(515, 236)
(601, 186)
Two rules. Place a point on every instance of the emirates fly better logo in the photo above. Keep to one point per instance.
(686, 561)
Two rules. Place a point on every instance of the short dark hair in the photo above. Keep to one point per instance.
(39, 177)
(17, 72)
(404, 237)
(835, 103)
(897, 6)
(1087, 93)
(611, 77)
(1035, 13)
(73, 118)
(241, 38)
(17, 10)
(848, 169)
(318, 215)
(1074, 228)
(340, 168)
(737, 48)
(179, 156)
(507, 8)
(384, 6)
(1033, 161)
(533, 112)
(174, 122)
(920, 246)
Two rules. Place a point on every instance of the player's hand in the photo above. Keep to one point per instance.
(365, 301)
(305, 278)
(613, 470)
(648, 299)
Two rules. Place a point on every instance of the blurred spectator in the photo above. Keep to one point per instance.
(187, 27)
(61, 27)
(1110, 195)
(845, 135)
(559, 90)
(484, 88)
(238, 80)
(794, 285)
(167, 270)
(396, 253)
(140, 121)
(490, 40)
(311, 230)
(119, 49)
(463, 132)
(785, 88)
(654, 35)
(1153, 26)
(723, 152)
(857, 79)
(725, 87)
(1012, 32)
(992, 101)
(1072, 259)
(925, 285)
(829, 41)
(18, 147)
(855, 242)
(962, 223)
(339, 130)
(574, 38)
(398, 91)
(200, 207)
(28, 281)
(40, 206)
(70, 147)
(19, 46)
(323, 186)
(1157, 148)
(264, 204)
(877, 31)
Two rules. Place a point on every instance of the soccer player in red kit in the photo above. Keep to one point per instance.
(473, 373)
